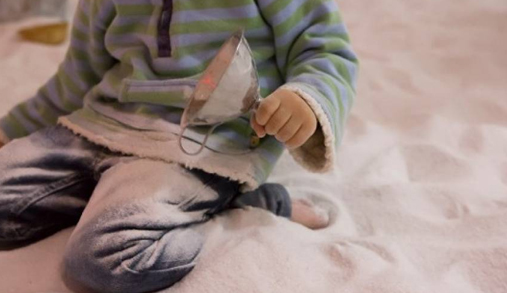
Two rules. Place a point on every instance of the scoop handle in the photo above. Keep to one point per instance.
(256, 105)
(202, 144)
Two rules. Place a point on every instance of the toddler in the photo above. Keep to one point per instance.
(97, 145)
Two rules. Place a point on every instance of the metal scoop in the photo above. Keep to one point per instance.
(228, 89)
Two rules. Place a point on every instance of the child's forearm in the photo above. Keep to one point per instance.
(84, 66)
(317, 62)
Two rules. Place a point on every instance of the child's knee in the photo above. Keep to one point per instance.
(109, 263)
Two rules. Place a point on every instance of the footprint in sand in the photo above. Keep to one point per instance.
(356, 127)
(429, 163)
(472, 140)
(489, 112)
(441, 206)
(402, 79)
(503, 173)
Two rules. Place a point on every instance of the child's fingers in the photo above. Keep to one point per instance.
(259, 129)
(266, 109)
(299, 138)
(303, 134)
(289, 130)
(277, 121)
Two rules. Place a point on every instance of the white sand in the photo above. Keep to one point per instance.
(419, 198)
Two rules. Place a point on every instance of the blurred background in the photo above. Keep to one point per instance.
(18, 9)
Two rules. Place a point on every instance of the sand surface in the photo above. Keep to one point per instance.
(419, 197)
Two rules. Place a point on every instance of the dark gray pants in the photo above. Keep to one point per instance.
(139, 231)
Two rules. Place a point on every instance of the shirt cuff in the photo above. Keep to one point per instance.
(318, 153)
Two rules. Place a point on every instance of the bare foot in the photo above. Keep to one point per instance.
(307, 214)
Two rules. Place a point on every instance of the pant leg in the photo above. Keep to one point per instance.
(45, 181)
(140, 230)
(270, 196)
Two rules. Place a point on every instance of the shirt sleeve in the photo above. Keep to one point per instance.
(314, 54)
(85, 63)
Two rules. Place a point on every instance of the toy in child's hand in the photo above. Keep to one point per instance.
(228, 88)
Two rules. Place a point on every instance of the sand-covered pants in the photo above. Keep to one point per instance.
(137, 219)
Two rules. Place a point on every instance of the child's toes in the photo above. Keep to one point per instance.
(306, 213)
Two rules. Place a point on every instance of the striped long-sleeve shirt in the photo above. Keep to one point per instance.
(131, 65)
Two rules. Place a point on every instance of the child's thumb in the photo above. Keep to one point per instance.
(259, 129)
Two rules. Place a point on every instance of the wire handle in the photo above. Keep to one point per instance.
(256, 105)
(254, 108)
(203, 144)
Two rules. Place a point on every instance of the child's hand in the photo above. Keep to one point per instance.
(287, 116)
